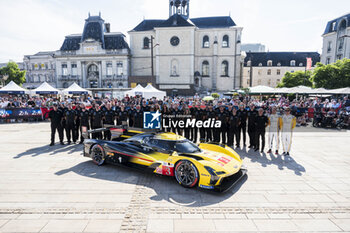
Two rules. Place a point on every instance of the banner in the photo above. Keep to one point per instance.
(308, 63)
(20, 113)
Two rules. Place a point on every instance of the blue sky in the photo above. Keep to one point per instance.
(30, 26)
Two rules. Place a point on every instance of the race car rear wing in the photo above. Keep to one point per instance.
(119, 132)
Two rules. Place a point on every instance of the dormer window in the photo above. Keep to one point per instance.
(260, 64)
(292, 63)
(249, 63)
(269, 63)
(300, 64)
(333, 26)
(279, 64)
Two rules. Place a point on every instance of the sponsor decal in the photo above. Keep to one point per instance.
(206, 186)
(191, 123)
(224, 160)
(151, 120)
(159, 170)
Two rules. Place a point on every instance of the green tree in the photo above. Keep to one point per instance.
(14, 73)
(332, 76)
(297, 78)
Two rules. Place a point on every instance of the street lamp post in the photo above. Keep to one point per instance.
(152, 62)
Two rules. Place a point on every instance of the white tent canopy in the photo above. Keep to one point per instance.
(261, 90)
(138, 90)
(13, 88)
(45, 89)
(151, 91)
(75, 89)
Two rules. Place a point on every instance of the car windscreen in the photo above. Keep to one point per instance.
(183, 146)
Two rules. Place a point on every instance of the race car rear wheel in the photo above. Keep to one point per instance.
(98, 154)
(186, 173)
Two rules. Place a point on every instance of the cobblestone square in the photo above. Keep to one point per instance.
(56, 189)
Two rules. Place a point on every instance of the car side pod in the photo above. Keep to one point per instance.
(228, 182)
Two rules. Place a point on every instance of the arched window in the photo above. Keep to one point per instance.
(206, 42)
(146, 43)
(300, 64)
(174, 69)
(249, 63)
(224, 69)
(269, 63)
(279, 64)
(120, 85)
(225, 41)
(292, 63)
(205, 69)
(260, 64)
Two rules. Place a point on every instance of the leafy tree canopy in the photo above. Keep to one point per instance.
(297, 78)
(14, 73)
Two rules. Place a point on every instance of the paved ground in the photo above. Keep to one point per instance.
(55, 189)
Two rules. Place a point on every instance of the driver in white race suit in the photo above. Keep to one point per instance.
(274, 129)
(288, 123)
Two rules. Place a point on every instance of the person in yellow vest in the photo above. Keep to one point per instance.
(274, 129)
(287, 125)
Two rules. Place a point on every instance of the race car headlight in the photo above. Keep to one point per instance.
(213, 178)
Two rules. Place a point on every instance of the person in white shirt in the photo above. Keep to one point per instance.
(273, 129)
(287, 126)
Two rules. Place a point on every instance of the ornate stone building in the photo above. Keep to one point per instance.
(97, 58)
(336, 40)
(190, 54)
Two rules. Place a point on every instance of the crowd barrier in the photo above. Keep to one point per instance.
(21, 113)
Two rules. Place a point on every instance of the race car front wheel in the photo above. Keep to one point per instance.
(186, 173)
(98, 154)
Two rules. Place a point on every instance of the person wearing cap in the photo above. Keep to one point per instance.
(273, 129)
(70, 116)
(55, 116)
(287, 125)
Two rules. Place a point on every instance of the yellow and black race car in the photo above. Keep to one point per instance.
(207, 165)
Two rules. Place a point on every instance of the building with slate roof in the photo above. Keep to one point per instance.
(190, 54)
(268, 68)
(336, 40)
(96, 58)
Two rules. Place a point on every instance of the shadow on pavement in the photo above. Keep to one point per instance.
(50, 150)
(165, 188)
(271, 159)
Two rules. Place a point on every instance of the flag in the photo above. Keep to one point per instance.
(308, 63)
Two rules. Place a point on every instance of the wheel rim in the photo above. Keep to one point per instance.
(98, 156)
(186, 174)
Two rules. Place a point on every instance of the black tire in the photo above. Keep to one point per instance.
(98, 154)
(186, 174)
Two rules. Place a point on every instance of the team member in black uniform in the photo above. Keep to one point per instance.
(77, 121)
(138, 117)
(233, 132)
(70, 117)
(62, 107)
(55, 117)
(261, 123)
(222, 116)
(210, 115)
(109, 119)
(96, 118)
(187, 129)
(122, 116)
(198, 116)
(84, 117)
(252, 114)
(242, 114)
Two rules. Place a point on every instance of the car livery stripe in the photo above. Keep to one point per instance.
(118, 152)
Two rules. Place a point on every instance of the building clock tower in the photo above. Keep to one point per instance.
(180, 7)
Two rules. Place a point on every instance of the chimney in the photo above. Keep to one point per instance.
(108, 27)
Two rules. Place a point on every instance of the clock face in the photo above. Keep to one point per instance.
(174, 41)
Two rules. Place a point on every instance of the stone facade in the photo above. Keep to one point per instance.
(189, 54)
(97, 58)
(336, 40)
(269, 68)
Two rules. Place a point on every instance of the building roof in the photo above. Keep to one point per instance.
(284, 58)
(94, 28)
(179, 21)
(337, 21)
(214, 22)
